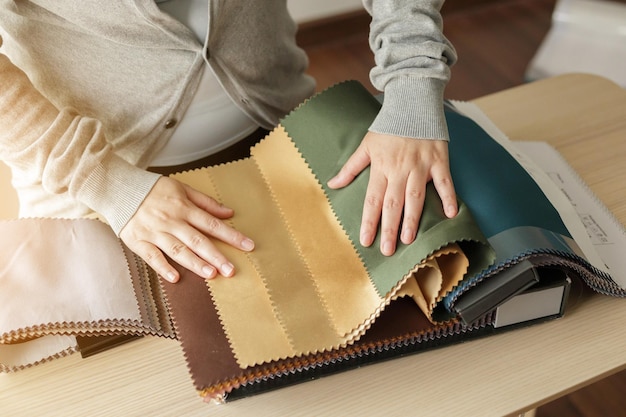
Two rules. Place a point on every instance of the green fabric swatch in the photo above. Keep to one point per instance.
(326, 130)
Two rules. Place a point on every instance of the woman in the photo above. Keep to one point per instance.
(93, 93)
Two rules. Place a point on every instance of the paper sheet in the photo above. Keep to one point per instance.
(606, 233)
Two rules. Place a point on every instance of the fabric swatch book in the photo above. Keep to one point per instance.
(309, 300)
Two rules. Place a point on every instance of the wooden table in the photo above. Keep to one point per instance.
(584, 117)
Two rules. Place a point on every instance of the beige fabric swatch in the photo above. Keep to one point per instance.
(440, 273)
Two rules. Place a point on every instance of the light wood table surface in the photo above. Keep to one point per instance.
(584, 117)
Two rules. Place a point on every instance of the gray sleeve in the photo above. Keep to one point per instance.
(413, 60)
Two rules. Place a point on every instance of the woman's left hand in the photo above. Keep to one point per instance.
(400, 169)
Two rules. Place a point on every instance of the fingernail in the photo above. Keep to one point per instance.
(247, 244)
(387, 248)
(208, 271)
(227, 269)
(407, 236)
(170, 276)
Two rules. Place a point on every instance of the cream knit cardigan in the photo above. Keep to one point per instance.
(90, 90)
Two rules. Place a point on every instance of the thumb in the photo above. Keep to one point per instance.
(357, 162)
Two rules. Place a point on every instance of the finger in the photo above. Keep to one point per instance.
(184, 256)
(391, 215)
(156, 260)
(357, 162)
(442, 179)
(216, 228)
(206, 251)
(372, 208)
(413, 207)
(208, 204)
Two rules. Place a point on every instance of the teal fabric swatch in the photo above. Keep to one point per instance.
(498, 190)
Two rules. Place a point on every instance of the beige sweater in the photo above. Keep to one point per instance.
(91, 90)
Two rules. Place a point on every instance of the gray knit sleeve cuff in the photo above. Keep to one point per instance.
(413, 107)
(115, 189)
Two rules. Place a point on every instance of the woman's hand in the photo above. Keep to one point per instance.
(178, 221)
(400, 169)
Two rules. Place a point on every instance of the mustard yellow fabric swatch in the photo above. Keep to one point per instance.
(340, 276)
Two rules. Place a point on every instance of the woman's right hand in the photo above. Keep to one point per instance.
(178, 221)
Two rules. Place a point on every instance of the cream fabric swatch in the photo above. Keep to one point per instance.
(46, 293)
(23, 355)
